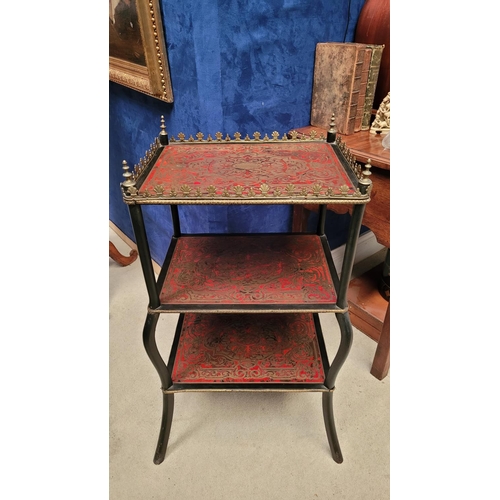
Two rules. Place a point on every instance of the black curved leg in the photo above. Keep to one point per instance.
(166, 381)
(331, 433)
(342, 353)
(166, 423)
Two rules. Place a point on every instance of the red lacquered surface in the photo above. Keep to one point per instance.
(248, 348)
(248, 270)
(226, 166)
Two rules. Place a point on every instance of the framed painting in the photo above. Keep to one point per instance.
(137, 50)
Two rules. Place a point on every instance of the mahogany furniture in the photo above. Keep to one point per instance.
(123, 260)
(369, 310)
(248, 304)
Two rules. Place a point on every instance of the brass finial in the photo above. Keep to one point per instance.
(368, 165)
(332, 124)
(332, 131)
(163, 132)
(128, 183)
(365, 180)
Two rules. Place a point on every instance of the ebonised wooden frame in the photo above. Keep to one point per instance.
(155, 309)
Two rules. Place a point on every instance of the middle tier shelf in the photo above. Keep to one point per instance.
(248, 273)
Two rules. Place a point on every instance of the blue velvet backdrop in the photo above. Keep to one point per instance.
(236, 65)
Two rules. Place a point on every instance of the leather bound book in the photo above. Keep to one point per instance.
(336, 84)
(371, 85)
(362, 89)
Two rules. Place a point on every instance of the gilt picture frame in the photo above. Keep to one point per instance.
(137, 49)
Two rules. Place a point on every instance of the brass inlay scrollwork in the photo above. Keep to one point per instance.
(254, 193)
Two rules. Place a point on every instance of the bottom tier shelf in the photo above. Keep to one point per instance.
(248, 352)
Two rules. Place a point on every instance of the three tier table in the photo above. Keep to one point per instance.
(248, 304)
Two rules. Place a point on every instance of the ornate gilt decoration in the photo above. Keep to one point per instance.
(153, 78)
(382, 122)
(143, 162)
(257, 137)
(263, 193)
(159, 189)
(264, 190)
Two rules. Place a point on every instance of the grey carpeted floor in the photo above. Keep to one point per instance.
(237, 445)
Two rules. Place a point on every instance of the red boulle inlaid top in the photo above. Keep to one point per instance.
(248, 348)
(247, 171)
(248, 270)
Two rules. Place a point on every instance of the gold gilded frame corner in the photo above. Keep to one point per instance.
(154, 78)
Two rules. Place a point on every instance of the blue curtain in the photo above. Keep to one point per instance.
(236, 65)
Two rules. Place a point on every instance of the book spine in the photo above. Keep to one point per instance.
(348, 127)
(362, 89)
(371, 85)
